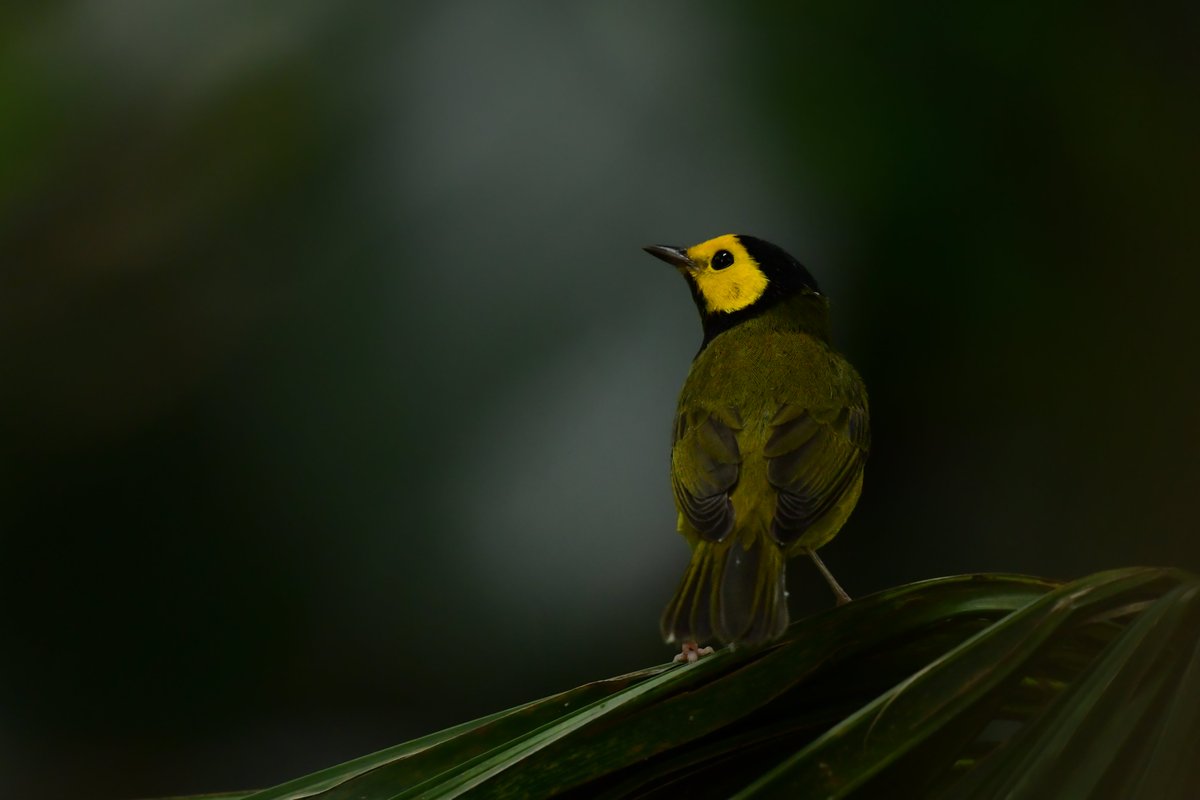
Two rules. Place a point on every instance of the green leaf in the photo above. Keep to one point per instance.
(1090, 742)
(951, 691)
(965, 687)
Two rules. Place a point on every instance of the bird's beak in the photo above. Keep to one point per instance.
(675, 256)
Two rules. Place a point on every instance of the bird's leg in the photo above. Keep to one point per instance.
(842, 597)
(691, 652)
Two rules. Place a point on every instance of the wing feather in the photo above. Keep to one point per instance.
(814, 458)
(705, 463)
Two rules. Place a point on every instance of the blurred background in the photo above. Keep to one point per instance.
(336, 390)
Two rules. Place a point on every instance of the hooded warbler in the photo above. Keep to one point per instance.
(770, 438)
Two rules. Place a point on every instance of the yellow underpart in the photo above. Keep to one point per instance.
(732, 288)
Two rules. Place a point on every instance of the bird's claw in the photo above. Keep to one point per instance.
(691, 652)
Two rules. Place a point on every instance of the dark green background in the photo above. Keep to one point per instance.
(336, 390)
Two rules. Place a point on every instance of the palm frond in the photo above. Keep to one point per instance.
(974, 686)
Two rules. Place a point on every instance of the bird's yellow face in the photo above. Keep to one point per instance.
(737, 277)
(726, 275)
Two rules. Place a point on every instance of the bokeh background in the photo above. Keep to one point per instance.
(335, 389)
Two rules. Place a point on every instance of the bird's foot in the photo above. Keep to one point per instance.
(838, 591)
(691, 652)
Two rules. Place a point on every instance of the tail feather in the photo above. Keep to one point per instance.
(752, 599)
(729, 591)
(688, 617)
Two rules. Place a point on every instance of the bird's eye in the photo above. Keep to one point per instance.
(722, 259)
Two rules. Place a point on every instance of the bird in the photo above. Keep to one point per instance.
(770, 439)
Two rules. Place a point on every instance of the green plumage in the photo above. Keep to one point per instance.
(770, 438)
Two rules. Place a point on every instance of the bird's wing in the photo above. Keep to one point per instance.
(704, 469)
(814, 457)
